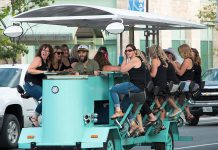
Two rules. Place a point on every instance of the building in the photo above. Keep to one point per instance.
(203, 40)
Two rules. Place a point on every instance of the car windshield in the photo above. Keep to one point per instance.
(10, 77)
(210, 75)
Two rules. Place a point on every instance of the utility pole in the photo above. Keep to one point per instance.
(147, 33)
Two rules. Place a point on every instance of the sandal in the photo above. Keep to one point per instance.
(117, 114)
(175, 113)
(140, 131)
(148, 123)
(34, 121)
(133, 128)
(163, 127)
(189, 117)
(157, 109)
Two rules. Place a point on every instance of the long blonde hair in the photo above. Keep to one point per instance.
(155, 51)
(142, 55)
(197, 58)
(185, 51)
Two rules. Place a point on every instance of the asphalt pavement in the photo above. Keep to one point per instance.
(205, 136)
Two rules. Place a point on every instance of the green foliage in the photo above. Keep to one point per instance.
(9, 48)
(207, 13)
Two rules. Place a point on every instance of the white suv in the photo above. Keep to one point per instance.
(14, 110)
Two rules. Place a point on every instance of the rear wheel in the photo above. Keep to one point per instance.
(109, 145)
(169, 145)
(10, 132)
(194, 121)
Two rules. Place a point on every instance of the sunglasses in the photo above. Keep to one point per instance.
(59, 53)
(128, 50)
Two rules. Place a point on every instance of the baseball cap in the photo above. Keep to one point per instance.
(82, 48)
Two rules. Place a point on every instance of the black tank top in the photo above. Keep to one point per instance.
(63, 67)
(171, 74)
(161, 77)
(138, 75)
(37, 78)
(54, 69)
(188, 75)
(197, 73)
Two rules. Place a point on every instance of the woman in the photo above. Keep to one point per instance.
(197, 66)
(159, 75)
(185, 71)
(104, 64)
(171, 76)
(56, 63)
(137, 73)
(35, 75)
(66, 58)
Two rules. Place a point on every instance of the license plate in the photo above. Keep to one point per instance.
(207, 109)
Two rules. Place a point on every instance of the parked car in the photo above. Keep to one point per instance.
(207, 102)
(14, 111)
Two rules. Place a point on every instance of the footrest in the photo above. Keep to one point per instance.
(185, 138)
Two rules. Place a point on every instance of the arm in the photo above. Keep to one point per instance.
(96, 68)
(154, 67)
(111, 68)
(35, 63)
(181, 70)
(127, 66)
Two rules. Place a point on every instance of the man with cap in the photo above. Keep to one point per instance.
(85, 66)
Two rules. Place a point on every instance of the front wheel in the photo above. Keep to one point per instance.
(10, 132)
(169, 145)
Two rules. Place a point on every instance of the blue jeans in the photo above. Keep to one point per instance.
(34, 91)
(122, 88)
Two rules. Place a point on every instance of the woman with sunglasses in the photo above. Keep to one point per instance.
(135, 67)
(56, 62)
(35, 75)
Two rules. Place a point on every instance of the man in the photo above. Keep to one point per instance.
(85, 66)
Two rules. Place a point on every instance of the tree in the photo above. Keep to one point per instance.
(11, 48)
(207, 13)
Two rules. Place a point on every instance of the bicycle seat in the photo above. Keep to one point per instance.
(23, 94)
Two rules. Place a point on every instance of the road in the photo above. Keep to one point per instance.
(205, 136)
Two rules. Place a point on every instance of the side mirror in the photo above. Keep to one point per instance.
(13, 31)
(115, 28)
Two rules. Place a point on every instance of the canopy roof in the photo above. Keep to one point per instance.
(99, 17)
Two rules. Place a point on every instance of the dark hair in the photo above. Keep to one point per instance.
(132, 46)
(197, 58)
(102, 48)
(43, 47)
(101, 60)
(65, 46)
(173, 56)
(57, 48)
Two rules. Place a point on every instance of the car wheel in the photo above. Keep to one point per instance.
(194, 121)
(10, 132)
